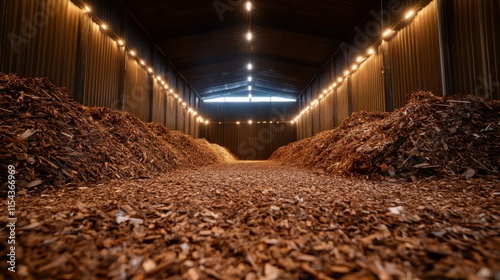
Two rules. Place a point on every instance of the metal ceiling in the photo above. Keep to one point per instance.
(205, 40)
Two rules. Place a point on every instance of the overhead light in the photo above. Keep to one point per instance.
(354, 67)
(165, 86)
(237, 123)
(330, 88)
(87, 8)
(249, 66)
(132, 53)
(120, 42)
(370, 51)
(410, 14)
(183, 103)
(321, 96)
(150, 70)
(250, 95)
(104, 26)
(142, 62)
(346, 72)
(207, 122)
(171, 90)
(195, 113)
(250, 122)
(162, 83)
(250, 78)
(249, 87)
(325, 91)
(248, 6)
(249, 36)
(334, 85)
(339, 79)
(359, 59)
(387, 32)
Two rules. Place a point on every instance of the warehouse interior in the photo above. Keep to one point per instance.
(231, 139)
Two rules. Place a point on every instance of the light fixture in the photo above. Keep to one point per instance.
(171, 90)
(87, 8)
(346, 72)
(321, 96)
(249, 66)
(120, 42)
(250, 78)
(195, 113)
(150, 70)
(165, 86)
(325, 91)
(132, 52)
(158, 78)
(248, 6)
(354, 67)
(330, 88)
(176, 96)
(250, 122)
(142, 62)
(387, 32)
(237, 123)
(249, 95)
(359, 59)
(104, 26)
(334, 85)
(339, 79)
(183, 103)
(410, 14)
(180, 100)
(162, 83)
(370, 51)
(249, 36)
(206, 122)
(249, 87)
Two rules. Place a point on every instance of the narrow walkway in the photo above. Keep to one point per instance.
(259, 220)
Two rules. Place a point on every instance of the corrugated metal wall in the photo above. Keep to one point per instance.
(31, 48)
(456, 45)
(102, 71)
(368, 85)
(474, 36)
(59, 40)
(256, 141)
(415, 57)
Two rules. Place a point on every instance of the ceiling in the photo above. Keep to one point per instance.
(293, 40)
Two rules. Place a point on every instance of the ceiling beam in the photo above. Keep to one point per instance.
(244, 91)
(218, 27)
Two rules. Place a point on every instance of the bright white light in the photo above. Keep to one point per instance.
(359, 59)
(87, 8)
(409, 14)
(162, 83)
(325, 91)
(250, 95)
(339, 80)
(248, 6)
(370, 51)
(249, 66)
(250, 78)
(132, 53)
(104, 26)
(387, 32)
(249, 87)
(165, 87)
(150, 70)
(206, 122)
(249, 36)
(237, 123)
(250, 122)
(321, 96)
(248, 99)
(334, 85)
(354, 67)
(195, 113)
(346, 72)
(142, 62)
(120, 42)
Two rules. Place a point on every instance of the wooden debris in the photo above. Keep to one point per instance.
(429, 137)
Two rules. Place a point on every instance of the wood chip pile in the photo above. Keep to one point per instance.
(430, 136)
(55, 141)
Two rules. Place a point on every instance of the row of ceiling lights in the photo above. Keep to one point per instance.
(249, 36)
(387, 34)
(132, 53)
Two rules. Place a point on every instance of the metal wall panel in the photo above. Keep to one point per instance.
(136, 99)
(158, 105)
(474, 33)
(171, 112)
(40, 40)
(415, 57)
(102, 72)
(342, 104)
(368, 85)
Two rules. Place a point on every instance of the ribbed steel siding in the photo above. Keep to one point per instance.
(368, 85)
(415, 57)
(250, 142)
(136, 98)
(51, 47)
(171, 105)
(342, 105)
(102, 74)
(158, 105)
(475, 50)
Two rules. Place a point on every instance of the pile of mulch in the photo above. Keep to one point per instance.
(430, 136)
(54, 141)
